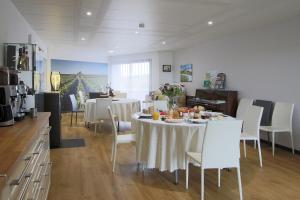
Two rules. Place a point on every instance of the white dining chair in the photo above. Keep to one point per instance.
(119, 94)
(244, 104)
(81, 99)
(118, 138)
(251, 128)
(282, 118)
(221, 149)
(160, 105)
(100, 112)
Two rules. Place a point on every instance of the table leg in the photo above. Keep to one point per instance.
(176, 177)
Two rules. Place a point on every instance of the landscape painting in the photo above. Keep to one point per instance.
(186, 73)
(79, 76)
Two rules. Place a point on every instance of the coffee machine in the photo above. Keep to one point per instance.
(8, 98)
(21, 100)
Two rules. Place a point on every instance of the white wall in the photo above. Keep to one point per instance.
(165, 58)
(157, 58)
(260, 64)
(14, 28)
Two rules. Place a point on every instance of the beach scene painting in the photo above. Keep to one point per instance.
(186, 73)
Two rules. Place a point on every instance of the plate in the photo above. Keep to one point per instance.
(213, 114)
(174, 120)
(198, 121)
(145, 115)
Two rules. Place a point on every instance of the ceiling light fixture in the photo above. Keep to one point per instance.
(164, 42)
(111, 51)
(89, 13)
(136, 32)
(82, 39)
(210, 23)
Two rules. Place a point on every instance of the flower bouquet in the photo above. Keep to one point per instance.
(171, 91)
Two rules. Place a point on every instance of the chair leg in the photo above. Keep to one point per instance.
(114, 157)
(273, 143)
(292, 141)
(112, 151)
(186, 172)
(71, 118)
(219, 177)
(202, 183)
(259, 152)
(76, 117)
(95, 128)
(254, 144)
(245, 152)
(240, 183)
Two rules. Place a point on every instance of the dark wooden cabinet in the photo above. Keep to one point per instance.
(224, 101)
(50, 102)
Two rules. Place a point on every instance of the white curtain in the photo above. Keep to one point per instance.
(133, 78)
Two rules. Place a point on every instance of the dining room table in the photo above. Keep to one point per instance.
(162, 145)
(121, 107)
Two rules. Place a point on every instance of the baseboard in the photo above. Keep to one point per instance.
(280, 146)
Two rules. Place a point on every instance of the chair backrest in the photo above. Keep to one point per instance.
(283, 115)
(244, 104)
(252, 120)
(74, 104)
(101, 108)
(114, 126)
(221, 144)
(120, 95)
(161, 105)
(267, 113)
(81, 97)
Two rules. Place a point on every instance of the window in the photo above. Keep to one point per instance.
(132, 78)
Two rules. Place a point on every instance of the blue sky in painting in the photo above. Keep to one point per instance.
(187, 67)
(73, 67)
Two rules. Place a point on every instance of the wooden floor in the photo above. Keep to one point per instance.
(85, 173)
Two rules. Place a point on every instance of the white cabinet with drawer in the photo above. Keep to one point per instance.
(30, 177)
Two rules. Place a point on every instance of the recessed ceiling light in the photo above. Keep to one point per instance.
(89, 13)
(210, 23)
(83, 38)
(111, 51)
(136, 32)
(164, 42)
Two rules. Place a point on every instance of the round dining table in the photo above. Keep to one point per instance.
(162, 145)
(122, 108)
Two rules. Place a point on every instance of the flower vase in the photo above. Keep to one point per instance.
(172, 102)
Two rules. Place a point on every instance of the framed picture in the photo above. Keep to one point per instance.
(186, 73)
(166, 68)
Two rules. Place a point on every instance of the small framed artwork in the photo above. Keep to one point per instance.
(166, 68)
(186, 73)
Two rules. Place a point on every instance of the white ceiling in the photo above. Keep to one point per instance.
(62, 23)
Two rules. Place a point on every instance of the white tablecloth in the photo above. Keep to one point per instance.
(163, 145)
(123, 108)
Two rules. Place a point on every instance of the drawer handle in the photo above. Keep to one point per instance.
(24, 189)
(39, 147)
(18, 181)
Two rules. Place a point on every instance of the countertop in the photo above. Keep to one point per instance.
(16, 139)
